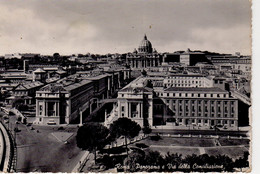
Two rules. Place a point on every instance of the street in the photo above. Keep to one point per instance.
(39, 151)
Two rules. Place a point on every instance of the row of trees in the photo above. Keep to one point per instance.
(153, 161)
(94, 136)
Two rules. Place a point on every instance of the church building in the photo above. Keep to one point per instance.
(144, 57)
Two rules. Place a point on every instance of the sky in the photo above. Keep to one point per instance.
(118, 26)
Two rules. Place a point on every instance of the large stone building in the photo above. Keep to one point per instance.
(199, 107)
(76, 96)
(187, 80)
(158, 102)
(59, 103)
(144, 57)
(187, 58)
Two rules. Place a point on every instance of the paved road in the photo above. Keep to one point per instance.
(202, 132)
(42, 152)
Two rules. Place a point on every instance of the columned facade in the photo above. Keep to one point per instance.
(145, 57)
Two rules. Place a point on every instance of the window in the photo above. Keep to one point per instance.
(199, 121)
(192, 95)
(122, 95)
(226, 110)
(205, 95)
(179, 94)
(211, 95)
(198, 95)
(205, 121)
(186, 95)
(123, 109)
(168, 94)
(123, 114)
(218, 95)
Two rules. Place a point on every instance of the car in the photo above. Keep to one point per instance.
(51, 122)
(219, 126)
(28, 124)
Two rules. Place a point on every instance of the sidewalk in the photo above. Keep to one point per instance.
(194, 127)
(80, 164)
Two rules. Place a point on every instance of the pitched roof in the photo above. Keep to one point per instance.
(29, 85)
(39, 70)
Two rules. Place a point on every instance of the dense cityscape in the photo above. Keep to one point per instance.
(186, 110)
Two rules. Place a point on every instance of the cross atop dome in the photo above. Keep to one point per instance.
(145, 37)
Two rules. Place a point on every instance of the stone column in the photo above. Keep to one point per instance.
(130, 112)
(81, 119)
(46, 109)
(37, 108)
(141, 110)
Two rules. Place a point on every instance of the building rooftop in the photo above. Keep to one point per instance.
(213, 89)
(76, 85)
(39, 70)
(186, 75)
(136, 89)
(29, 85)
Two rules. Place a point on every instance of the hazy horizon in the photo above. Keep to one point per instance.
(117, 26)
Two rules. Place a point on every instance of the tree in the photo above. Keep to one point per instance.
(174, 159)
(146, 129)
(134, 158)
(124, 127)
(56, 56)
(242, 162)
(92, 137)
(153, 158)
(191, 160)
(227, 162)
